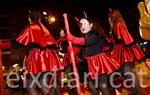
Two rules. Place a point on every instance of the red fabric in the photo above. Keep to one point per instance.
(127, 53)
(75, 50)
(33, 34)
(116, 53)
(42, 61)
(5, 45)
(67, 59)
(106, 47)
(122, 53)
(101, 63)
(75, 40)
(122, 33)
(110, 39)
(61, 40)
(139, 54)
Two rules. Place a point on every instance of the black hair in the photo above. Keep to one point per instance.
(35, 16)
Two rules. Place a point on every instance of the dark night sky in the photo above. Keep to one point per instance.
(94, 9)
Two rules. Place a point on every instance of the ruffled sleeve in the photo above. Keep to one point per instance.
(122, 33)
(33, 34)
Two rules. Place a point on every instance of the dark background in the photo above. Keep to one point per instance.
(14, 14)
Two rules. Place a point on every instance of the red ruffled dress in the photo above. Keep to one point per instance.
(67, 57)
(39, 60)
(99, 62)
(123, 51)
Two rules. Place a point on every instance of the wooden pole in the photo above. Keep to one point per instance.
(2, 90)
(72, 55)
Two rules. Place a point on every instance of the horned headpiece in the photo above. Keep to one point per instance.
(34, 15)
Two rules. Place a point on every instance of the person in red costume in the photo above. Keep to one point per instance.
(67, 62)
(100, 64)
(125, 49)
(42, 60)
(63, 48)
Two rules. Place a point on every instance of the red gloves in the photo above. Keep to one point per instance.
(75, 50)
(5, 45)
(75, 40)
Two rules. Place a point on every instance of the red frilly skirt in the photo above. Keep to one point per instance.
(101, 63)
(42, 61)
(124, 53)
(138, 53)
(67, 59)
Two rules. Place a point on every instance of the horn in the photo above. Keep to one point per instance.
(29, 12)
(77, 19)
(39, 15)
(110, 10)
(29, 18)
(85, 15)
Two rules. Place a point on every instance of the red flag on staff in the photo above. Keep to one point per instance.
(72, 56)
(2, 90)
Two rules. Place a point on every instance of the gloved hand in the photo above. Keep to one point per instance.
(75, 50)
(75, 40)
(5, 45)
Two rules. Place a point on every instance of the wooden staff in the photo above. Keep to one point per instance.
(72, 55)
(2, 90)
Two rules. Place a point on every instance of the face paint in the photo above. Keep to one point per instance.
(85, 26)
